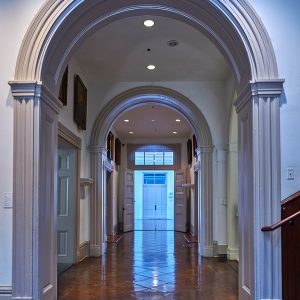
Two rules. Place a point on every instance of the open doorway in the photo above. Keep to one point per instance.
(154, 200)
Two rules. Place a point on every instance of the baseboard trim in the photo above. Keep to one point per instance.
(95, 250)
(233, 254)
(83, 251)
(207, 251)
(222, 249)
(5, 292)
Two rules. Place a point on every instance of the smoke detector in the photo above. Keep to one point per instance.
(172, 43)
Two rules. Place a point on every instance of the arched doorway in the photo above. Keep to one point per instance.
(154, 96)
(50, 42)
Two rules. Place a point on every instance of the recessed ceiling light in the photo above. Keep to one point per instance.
(178, 120)
(130, 132)
(150, 67)
(126, 120)
(148, 23)
(174, 132)
(153, 120)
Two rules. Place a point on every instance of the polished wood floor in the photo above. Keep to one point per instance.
(150, 265)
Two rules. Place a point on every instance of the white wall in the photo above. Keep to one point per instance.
(66, 118)
(281, 19)
(209, 96)
(15, 17)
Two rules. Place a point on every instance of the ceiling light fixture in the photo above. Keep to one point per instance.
(174, 132)
(150, 67)
(178, 120)
(148, 23)
(130, 132)
(153, 120)
(126, 121)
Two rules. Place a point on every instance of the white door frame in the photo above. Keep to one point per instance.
(46, 49)
(107, 167)
(65, 134)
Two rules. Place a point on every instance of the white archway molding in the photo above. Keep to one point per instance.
(56, 32)
(232, 25)
(157, 96)
(145, 95)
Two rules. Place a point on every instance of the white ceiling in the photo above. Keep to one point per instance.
(140, 122)
(118, 52)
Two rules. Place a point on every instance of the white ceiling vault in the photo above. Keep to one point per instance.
(152, 121)
(121, 51)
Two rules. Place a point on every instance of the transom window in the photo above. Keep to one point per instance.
(154, 178)
(154, 158)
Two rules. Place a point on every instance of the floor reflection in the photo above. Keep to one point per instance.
(154, 224)
(154, 261)
(150, 265)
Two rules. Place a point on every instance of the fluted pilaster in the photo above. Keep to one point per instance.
(259, 189)
(34, 191)
(98, 159)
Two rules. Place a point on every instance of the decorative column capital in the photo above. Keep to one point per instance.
(264, 88)
(31, 90)
(25, 89)
(267, 88)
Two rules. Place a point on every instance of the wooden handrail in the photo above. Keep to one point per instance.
(291, 198)
(282, 222)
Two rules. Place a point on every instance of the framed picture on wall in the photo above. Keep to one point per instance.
(189, 151)
(195, 146)
(118, 151)
(63, 89)
(110, 146)
(80, 103)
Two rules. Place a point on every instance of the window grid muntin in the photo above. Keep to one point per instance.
(154, 158)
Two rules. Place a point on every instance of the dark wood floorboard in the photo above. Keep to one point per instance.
(150, 265)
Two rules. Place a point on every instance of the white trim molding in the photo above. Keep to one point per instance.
(233, 254)
(86, 181)
(69, 136)
(5, 292)
(47, 47)
(157, 96)
(97, 220)
(239, 34)
(259, 189)
(83, 251)
(34, 190)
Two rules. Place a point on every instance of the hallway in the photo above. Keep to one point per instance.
(150, 265)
